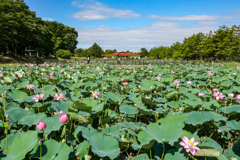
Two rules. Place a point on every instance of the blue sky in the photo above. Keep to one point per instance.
(133, 24)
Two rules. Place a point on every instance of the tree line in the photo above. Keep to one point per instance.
(223, 44)
(21, 31)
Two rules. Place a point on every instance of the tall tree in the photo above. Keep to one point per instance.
(95, 50)
(144, 52)
(18, 25)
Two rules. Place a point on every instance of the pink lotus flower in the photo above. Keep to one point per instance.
(176, 82)
(51, 75)
(59, 96)
(158, 78)
(218, 96)
(125, 83)
(122, 79)
(201, 94)
(215, 90)
(210, 74)
(238, 97)
(58, 113)
(38, 97)
(16, 77)
(41, 125)
(95, 94)
(230, 95)
(1, 75)
(189, 82)
(190, 145)
(30, 86)
(172, 72)
(63, 118)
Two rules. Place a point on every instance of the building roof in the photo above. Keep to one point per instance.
(122, 54)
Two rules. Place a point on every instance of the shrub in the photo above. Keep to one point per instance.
(63, 53)
(108, 56)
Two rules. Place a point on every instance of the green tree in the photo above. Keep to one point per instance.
(62, 37)
(144, 52)
(19, 27)
(109, 51)
(95, 50)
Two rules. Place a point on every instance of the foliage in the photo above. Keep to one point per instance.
(21, 30)
(145, 118)
(95, 50)
(63, 53)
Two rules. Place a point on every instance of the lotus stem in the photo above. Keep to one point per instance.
(139, 151)
(65, 129)
(136, 118)
(38, 107)
(71, 124)
(41, 152)
(163, 150)
(6, 132)
(151, 153)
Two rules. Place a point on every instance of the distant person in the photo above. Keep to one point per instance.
(88, 60)
(119, 60)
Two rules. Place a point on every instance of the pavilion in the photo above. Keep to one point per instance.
(122, 54)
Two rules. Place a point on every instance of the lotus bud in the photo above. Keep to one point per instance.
(41, 125)
(40, 143)
(63, 118)
(6, 118)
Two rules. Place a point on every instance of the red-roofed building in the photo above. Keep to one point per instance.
(122, 54)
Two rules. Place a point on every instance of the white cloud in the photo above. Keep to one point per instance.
(93, 10)
(191, 17)
(161, 33)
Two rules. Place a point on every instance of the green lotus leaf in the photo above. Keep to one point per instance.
(173, 104)
(98, 107)
(195, 117)
(226, 83)
(208, 142)
(167, 132)
(127, 109)
(22, 85)
(17, 113)
(104, 146)
(53, 124)
(10, 139)
(82, 149)
(114, 97)
(231, 110)
(18, 96)
(207, 152)
(175, 154)
(27, 140)
(141, 157)
(7, 80)
(51, 149)
(175, 118)
(32, 119)
(147, 85)
(234, 125)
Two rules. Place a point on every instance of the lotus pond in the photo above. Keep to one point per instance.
(78, 111)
